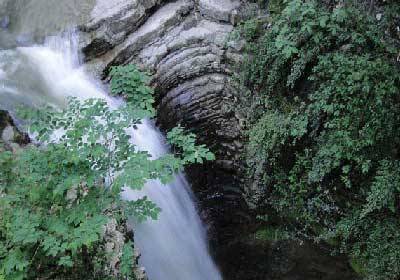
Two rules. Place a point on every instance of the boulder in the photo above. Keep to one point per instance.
(10, 135)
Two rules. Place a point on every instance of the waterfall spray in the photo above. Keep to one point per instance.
(174, 247)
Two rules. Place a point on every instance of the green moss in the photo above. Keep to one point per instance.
(271, 234)
(358, 266)
(276, 6)
(334, 242)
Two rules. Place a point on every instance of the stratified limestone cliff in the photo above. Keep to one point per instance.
(186, 47)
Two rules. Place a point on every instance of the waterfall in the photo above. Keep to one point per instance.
(174, 247)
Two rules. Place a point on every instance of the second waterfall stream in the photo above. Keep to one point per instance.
(174, 247)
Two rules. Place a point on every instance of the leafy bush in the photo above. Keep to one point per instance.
(187, 148)
(323, 91)
(56, 199)
(53, 209)
(131, 83)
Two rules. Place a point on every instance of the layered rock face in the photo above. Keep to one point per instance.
(186, 47)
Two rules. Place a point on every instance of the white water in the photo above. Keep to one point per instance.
(174, 247)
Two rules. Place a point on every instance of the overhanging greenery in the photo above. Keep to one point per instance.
(57, 198)
(322, 101)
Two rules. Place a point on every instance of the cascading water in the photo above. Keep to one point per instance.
(177, 237)
(173, 247)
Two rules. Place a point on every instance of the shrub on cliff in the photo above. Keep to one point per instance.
(57, 200)
(323, 86)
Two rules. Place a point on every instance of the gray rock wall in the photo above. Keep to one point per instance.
(186, 47)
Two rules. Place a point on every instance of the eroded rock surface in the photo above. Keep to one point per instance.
(114, 237)
(186, 47)
(10, 136)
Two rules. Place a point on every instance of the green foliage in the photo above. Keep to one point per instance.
(271, 234)
(187, 148)
(324, 129)
(358, 266)
(126, 261)
(142, 209)
(129, 82)
(251, 29)
(276, 6)
(55, 199)
(52, 208)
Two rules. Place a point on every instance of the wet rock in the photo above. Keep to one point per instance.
(5, 22)
(259, 259)
(185, 45)
(114, 236)
(10, 135)
(24, 40)
(220, 10)
(187, 48)
(111, 22)
(292, 260)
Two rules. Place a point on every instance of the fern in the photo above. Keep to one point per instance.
(324, 129)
